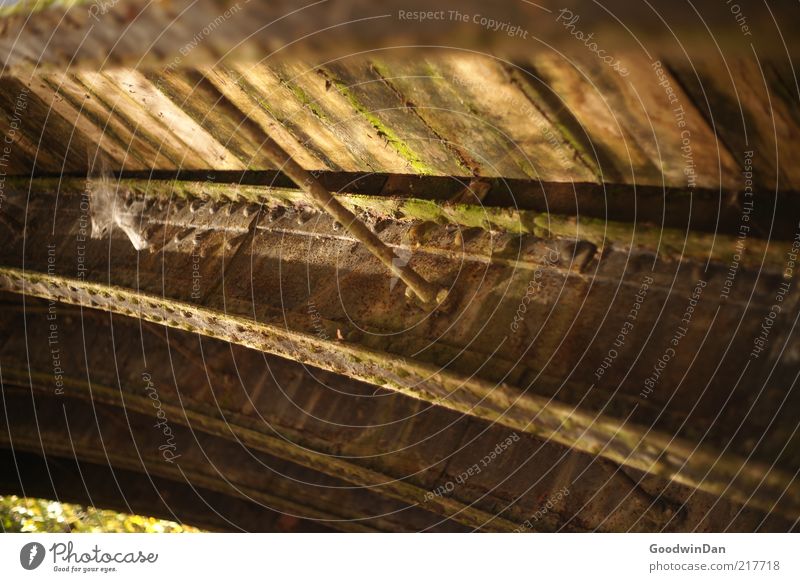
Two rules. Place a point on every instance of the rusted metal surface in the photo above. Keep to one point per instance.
(481, 366)
(616, 251)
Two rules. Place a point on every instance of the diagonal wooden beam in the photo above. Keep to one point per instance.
(296, 451)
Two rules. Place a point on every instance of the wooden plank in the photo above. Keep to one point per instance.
(252, 105)
(749, 117)
(352, 127)
(19, 155)
(209, 109)
(59, 146)
(590, 121)
(170, 152)
(499, 103)
(142, 149)
(177, 122)
(665, 123)
(77, 107)
(296, 113)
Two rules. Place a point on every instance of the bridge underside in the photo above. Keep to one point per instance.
(186, 334)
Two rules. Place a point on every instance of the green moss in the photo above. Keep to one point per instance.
(426, 210)
(307, 101)
(381, 68)
(255, 95)
(400, 146)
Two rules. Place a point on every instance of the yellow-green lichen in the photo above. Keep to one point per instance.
(398, 144)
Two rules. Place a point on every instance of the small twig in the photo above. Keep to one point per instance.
(425, 290)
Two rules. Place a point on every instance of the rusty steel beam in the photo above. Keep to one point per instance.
(297, 452)
(638, 447)
(254, 402)
(478, 385)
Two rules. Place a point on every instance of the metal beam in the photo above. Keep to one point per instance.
(638, 447)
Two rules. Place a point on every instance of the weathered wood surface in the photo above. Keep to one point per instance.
(85, 34)
(611, 267)
(754, 109)
(453, 114)
(381, 444)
